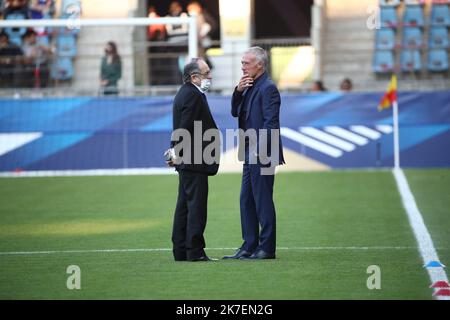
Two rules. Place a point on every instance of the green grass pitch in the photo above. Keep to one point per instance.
(330, 227)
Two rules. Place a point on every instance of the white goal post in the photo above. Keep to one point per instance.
(79, 23)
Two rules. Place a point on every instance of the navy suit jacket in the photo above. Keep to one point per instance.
(263, 112)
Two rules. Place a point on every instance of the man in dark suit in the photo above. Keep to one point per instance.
(256, 103)
(191, 119)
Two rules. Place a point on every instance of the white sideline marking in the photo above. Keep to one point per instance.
(25, 253)
(348, 135)
(11, 141)
(311, 143)
(83, 173)
(426, 247)
(370, 133)
(328, 138)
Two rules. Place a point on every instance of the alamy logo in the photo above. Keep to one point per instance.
(374, 280)
(73, 12)
(260, 146)
(373, 22)
(74, 280)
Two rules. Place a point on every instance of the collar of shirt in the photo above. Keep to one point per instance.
(259, 78)
(198, 88)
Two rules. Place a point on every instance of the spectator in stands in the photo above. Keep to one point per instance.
(346, 85)
(158, 63)
(177, 38)
(177, 33)
(10, 62)
(33, 50)
(205, 25)
(111, 69)
(156, 32)
(8, 50)
(318, 86)
(40, 9)
(17, 7)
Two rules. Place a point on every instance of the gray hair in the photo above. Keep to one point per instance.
(260, 54)
(191, 68)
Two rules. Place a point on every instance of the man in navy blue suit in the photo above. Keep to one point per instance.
(256, 103)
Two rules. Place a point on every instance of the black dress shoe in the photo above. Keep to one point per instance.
(260, 254)
(203, 258)
(239, 253)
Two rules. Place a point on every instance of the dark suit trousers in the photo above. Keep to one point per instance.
(257, 209)
(190, 216)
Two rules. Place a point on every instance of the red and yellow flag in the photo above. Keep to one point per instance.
(390, 96)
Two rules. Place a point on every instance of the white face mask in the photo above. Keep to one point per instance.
(205, 85)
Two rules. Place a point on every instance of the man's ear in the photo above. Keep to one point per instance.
(261, 64)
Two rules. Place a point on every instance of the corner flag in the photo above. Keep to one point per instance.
(390, 96)
(390, 99)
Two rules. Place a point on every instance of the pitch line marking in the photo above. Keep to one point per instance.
(24, 253)
(426, 246)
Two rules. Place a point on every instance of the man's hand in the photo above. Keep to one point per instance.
(170, 164)
(245, 82)
(170, 157)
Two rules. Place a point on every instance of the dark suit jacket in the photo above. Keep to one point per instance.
(191, 105)
(263, 112)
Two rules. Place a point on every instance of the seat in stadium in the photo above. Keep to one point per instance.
(385, 39)
(410, 60)
(70, 7)
(440, 15)
(388, 17)
(414, 2)
(386, 3)
(66, 45)
(62, 69)
(16, 40)
(43, 40)
(413, 16)
(438, 38)
(383, 61)
(412, 37)
(15, 34)
(437, 60)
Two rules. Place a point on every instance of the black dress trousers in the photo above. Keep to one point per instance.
(190, 216)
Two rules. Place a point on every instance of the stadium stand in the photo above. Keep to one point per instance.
(412, 37)
(62, 68)
(440, 15)
(437, 60)
(410, 61)
(15, 34)
(438, 38)
(388, 17)
(422, 31)
(350, 49)
(385, 39)
(393, 3)
(413, 16)
(383, 61)
(61, 43)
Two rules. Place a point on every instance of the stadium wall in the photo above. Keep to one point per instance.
(320, 131)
